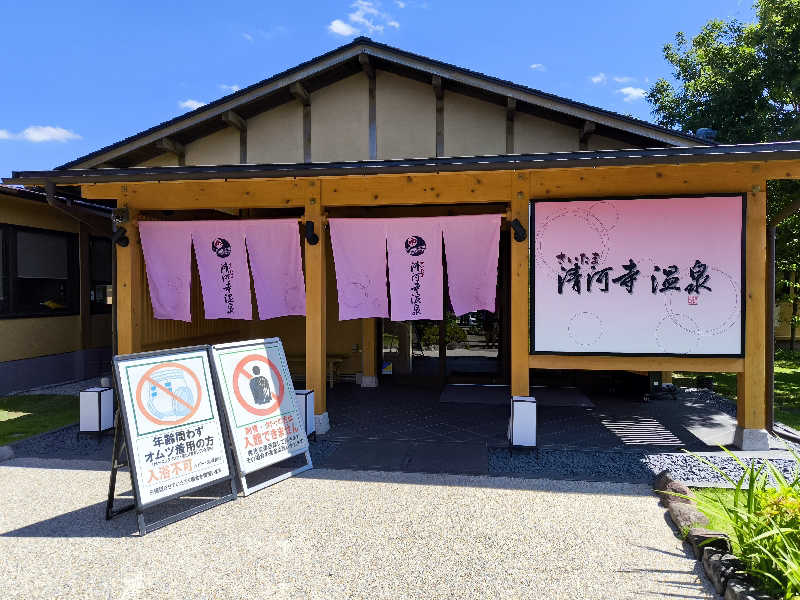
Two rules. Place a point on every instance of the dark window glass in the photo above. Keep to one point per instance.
(38, 272)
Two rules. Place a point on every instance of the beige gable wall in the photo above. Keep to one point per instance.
(598, 142)
(276, 136)
(340, 120)
(219, 148)
(472, 126)
(162, 160)
(405, 117)
(534, 134)
(405, 126)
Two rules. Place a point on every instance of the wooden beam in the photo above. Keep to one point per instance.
(369, 351)
(300, 93)
(234, 120)
(511, 107)
(636, 363)
(752, 405)
(587, 130)
(438, 92)
(316, 303)
(369, 70)
(176, 148)
(427, 188)
(191, 195)
(130, 288)
(520, 288)
(693, 178)
(366, 65)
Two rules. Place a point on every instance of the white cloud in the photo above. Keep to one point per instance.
(400, 4)
(247, 36)
(631, 93)
(623, 79)
(367, 16)
(599, 78)
(538, 67)
(40, 133)
(229, 88)
(339, 27)
(190, 104)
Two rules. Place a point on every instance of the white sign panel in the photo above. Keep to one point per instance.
(259, 400)
(170, 410)
(638, 276)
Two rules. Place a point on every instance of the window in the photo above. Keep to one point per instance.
(38, 272)
(100, 275)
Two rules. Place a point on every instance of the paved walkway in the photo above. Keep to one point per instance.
(344, 534)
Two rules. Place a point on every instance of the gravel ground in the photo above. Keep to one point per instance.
(622, 466)
(344, 534)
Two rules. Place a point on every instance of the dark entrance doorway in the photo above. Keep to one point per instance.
(472, 348)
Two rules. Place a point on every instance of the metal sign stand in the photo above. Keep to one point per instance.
(122, 448)
(247, 489)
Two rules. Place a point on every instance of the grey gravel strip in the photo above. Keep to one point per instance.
(344, 534)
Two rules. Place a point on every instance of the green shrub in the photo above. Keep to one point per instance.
(764, 518)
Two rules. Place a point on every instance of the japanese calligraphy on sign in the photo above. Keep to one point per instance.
(258, 396)
(172, 422)
(643, 276)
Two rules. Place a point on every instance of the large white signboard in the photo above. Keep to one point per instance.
(259, 400)
(173, 427)
(638, 276)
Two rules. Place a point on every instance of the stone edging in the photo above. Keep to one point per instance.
(6, 453)
(712, 548)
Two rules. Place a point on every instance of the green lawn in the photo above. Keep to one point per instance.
(24, 416)
(787, 386)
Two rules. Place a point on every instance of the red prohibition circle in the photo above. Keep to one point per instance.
(148, 377)
(240, 372)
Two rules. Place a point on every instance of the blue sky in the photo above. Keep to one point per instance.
(80, 75)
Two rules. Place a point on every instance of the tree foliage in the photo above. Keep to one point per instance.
(743, 81)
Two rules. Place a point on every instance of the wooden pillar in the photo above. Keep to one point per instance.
(369, 353)
(130, 288)
(752, 409)
(85, 286)
(315, 255)
(520, 348)
(666, 376)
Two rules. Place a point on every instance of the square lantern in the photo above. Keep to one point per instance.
(97, 410)
(305, 406)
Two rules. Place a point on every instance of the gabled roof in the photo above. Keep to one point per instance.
(344, 61)
(769, 151)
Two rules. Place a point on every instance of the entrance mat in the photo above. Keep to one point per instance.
(411, 457)
(468, 393)
(500, 395)
(563, 396)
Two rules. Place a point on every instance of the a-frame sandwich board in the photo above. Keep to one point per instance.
(170, 432)
(258, 396)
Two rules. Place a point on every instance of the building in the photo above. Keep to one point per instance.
(55, 271)
(332, 138)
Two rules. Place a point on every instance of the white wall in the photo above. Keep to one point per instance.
(534, 134)
(276, 136)
(219, 148)
(405, 117)
(340, 120)
(472, 126)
